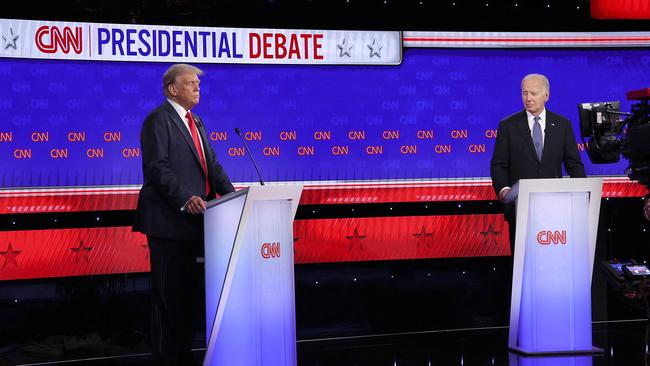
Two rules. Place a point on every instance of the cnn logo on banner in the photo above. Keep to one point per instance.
(49, 39)
(270, 250)
(547, 237)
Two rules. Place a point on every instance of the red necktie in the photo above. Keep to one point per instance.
(197, 144)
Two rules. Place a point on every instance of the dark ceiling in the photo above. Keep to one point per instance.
(457, 15)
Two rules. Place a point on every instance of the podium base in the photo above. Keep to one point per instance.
(525, 352)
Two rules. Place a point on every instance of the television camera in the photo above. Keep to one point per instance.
(608, 133)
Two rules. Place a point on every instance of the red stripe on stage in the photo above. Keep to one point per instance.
(77, 200)
(395, 238)
(586, 40)
(71, 252)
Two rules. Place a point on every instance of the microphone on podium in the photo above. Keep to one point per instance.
(238, 132)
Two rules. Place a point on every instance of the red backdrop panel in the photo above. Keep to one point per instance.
(405, 237)
(620, 9)
(72, 252)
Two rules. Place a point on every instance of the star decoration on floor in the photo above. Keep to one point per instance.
(345, 48)
(490, 236)
(11, 41)
(375, 48)
(355, 238)
(422, 236)
(81, 252)
(10, 256)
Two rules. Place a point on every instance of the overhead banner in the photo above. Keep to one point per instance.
(150, 43)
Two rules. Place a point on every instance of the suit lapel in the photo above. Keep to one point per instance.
(550, 134)
(524, 131)
(204, 140)
(176, 119)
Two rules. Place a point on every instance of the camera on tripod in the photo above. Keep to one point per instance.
(608, 133)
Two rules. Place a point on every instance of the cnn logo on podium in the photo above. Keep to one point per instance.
(547, 237)
(270, 250)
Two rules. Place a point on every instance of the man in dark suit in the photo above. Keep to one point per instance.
(532, 143)
(180, 173)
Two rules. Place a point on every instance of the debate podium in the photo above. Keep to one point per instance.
(249, 294)
(555, 241)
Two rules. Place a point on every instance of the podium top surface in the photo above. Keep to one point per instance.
(560, 185)
(284, 191)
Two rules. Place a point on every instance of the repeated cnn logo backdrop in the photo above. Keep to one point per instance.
(73, 123)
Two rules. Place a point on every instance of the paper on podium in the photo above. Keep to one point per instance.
(513, 193)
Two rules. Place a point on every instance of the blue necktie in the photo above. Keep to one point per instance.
(538, 140)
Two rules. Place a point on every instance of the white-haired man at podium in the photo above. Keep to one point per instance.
(180, 172)
(532, 143)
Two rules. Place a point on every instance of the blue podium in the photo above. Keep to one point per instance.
(555, 241)
(250, 305)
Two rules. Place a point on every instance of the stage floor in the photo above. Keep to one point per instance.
(624, 344)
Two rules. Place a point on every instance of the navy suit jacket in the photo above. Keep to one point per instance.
(514, 156)
(172, 174)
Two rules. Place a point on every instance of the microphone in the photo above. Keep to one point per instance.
(238, 132)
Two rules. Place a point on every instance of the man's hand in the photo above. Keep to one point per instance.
(195, 205)
(646, 209)
(503, 194)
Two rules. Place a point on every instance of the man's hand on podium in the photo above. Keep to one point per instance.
(503, 194)
(195, 205)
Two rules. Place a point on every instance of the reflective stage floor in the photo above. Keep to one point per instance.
(624, 344)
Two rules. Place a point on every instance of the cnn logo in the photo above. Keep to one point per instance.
(546, 237)
(51, 39)
(270, 250)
